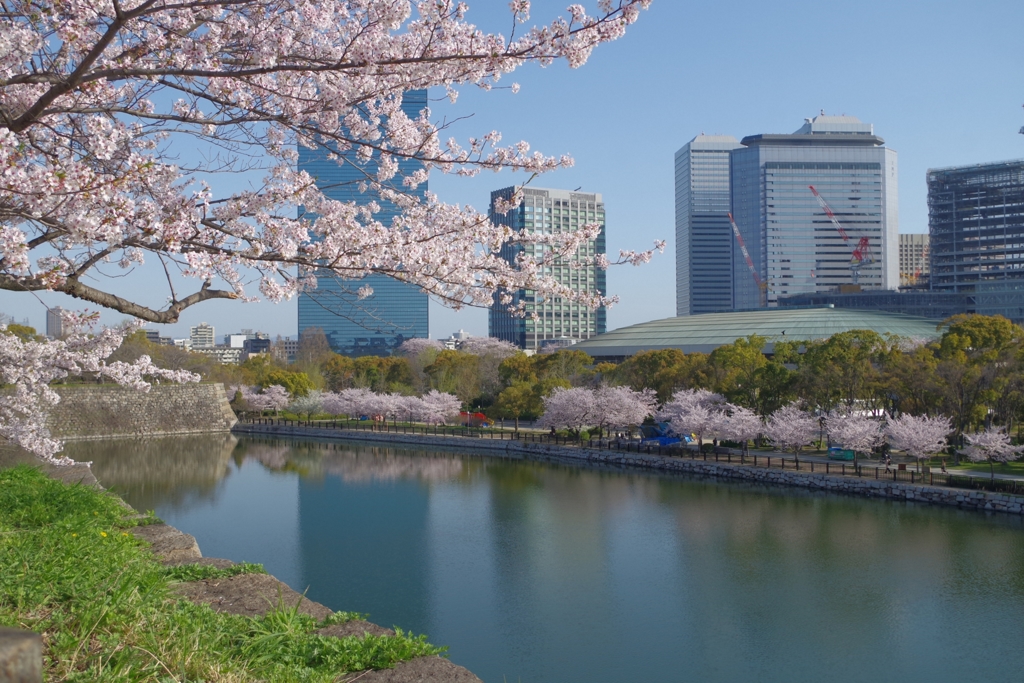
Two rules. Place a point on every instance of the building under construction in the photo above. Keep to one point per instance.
(976, 224)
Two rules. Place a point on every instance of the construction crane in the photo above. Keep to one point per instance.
(761, 284)
(861, 252)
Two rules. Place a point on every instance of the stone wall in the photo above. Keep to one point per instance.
(108, 410)
(874, 488)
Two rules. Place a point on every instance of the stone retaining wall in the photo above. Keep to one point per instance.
(107, 410)
(874, 488)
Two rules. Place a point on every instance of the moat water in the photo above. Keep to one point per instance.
(541, 573)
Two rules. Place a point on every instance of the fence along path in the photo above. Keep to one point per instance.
(786, 462)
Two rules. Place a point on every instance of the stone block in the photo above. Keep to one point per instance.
(21, 656)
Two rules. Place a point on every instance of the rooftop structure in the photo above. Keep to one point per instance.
(705, 333)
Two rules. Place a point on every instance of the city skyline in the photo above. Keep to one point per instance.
(637, 101)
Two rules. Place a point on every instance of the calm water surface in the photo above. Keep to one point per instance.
(545, 573)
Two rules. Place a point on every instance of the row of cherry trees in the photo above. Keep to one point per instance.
(434, 407)
(708, 415)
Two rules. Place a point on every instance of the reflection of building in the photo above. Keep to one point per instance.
(551, 212)
(791, 239)
(704, 240)
(913, 260)
(396, 311)
(202, 335)
(55, 322)
(976, 227)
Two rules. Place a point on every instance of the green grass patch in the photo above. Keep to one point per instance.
(71, 570)
(201, 572)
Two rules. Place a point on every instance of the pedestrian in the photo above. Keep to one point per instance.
(888, 462)
(944, 466)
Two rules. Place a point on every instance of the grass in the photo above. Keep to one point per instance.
(71, 570)
(1016, 467)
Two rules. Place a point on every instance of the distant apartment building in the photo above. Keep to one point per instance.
(914, 267)
(552, 212)
(55, 322)
(202, 335)
(396, 311)
(794, 244)
(704, 239)
(976, 229)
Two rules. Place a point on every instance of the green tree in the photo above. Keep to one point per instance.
(297, 383)
(521, 399)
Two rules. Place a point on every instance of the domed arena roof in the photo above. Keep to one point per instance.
(705, 333)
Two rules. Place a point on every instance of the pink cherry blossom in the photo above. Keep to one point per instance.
(791, 428)
(991, 446)
(920, 437)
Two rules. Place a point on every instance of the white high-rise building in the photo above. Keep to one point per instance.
(795, 246)
(704, 239)
(55, 322)
(202, 335)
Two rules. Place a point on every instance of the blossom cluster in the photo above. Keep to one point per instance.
(94, 94)
(581, 407)
(30, 366)
(434, 407)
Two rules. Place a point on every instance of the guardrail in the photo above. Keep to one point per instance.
(721, 455)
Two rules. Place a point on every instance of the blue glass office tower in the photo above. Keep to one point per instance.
(396, 311)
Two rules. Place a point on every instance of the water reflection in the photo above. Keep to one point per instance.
(541, 572)
(159, 471)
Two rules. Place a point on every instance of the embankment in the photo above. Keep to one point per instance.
(872, 488)
(107, 410)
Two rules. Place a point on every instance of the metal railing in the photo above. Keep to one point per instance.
(790, 463)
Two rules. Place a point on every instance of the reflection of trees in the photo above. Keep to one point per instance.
(353, 463)
(151, 472)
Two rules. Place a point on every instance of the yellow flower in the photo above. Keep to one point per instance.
(74, 535)
(124, 533)
(103, 534)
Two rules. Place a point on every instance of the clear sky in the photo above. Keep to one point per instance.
(942, 82)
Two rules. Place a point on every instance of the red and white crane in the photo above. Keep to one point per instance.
(762, 285)
(861, 252)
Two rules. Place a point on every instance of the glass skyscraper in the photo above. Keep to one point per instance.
(791, 239)
(704, 239)
(396, 311)
(557, 322)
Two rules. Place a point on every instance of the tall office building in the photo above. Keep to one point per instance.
(913, 260)
(396, 311)
(556, 321)
(794, 244)
(704, 239)
(976, 228)
(55, 322)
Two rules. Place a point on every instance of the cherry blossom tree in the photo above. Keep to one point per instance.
(308, 405)
(789, 427)
(741, 424)
(352, 402)
(29, 366)
(275, 397)
(857, 432)
(489, 346)
(572, 409)
(438, 407)
(623, 407)
(99, 98)
(412, 348)
(918, 436)
(694, 410)
(992, 446)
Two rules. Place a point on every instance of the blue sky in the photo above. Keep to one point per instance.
(942, 82)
